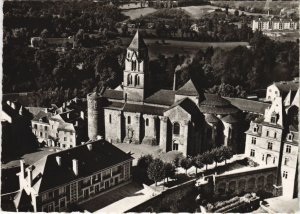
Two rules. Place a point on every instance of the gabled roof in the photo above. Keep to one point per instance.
(188, 89)
(189, 106)
(215, 104)
(248, 105)
(113, 94)
(162, 97)
(47, 174)
(137, 42)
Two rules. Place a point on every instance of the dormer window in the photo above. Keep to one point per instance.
(255, 129)
(290, 137)
(274, 118)
(40, 120)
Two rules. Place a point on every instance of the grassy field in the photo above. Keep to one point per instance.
(172, 47)
(274, 5)
(137, 13)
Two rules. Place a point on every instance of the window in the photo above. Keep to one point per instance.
(290, 137)
(273, 119)
(286, 160)
(133, 65)
(263, 157)
(252, 153)
(147, 122)
(110, 118)
(71, 133)
(253, 140)
(129, 120)
(288, 149)
(129, 79)
(285, 174)
(274, 159)
(62, 190)
(255, 128)
(41, 134)
(44, 197)
(175, 146)
(65, 138)
(50, 208)
(137, 80)
(275, 134)
(267, 133)
(46, 128)
(128, 54)
(35, 126)
(46, 135)
(62, 202)
(50, 195)
(276, 92)
(52, 126)
(176, 128)
(270, 145)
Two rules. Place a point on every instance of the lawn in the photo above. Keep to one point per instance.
(137, 13)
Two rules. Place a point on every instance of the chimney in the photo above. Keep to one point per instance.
(82, 115)
(75, 166)
(22, 168)
(29, 175)
(58, 160)
(99, 137)
(90, 147)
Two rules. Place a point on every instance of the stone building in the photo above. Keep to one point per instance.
(273, 140)
(72, 176)
(274, 24)
(66, 127)
(170, 119)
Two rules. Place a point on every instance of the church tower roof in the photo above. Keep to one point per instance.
(137, 42)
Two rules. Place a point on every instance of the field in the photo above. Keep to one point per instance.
(172, 47)
(137, 13)
(275, 6)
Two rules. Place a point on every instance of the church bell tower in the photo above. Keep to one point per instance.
(136, 73)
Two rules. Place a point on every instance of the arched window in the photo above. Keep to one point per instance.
(137, 80)
(133, 65)
(147, 122)
(128, 119)
(129, 79)
(176, 128)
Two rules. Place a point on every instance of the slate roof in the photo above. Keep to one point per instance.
(214, 104)
(286, 86)
(145, 109)
(162, 97)
(188, 105)
(188, 89)
(36, 110)
(211, 118)
(47, 174)
(42, 115)
(113, 94)
(115, 105)
(248, 105)
(137, 42)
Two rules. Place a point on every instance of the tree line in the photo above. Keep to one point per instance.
(158, 170)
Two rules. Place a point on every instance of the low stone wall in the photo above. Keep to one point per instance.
(249, 181)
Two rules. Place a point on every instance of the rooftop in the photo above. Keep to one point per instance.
(145, 109)
(162, 97)
(113, 94)
(102, 155)
(188, 89)
(248, 105)
(137, 42)
(286, 86)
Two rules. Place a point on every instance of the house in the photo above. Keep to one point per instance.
(285, 89)
(275, 24)
(273, 139)
(72, 176)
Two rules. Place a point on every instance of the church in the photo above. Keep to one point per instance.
(185, 120)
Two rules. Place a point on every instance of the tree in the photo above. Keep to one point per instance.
(197, 162)
(236, 13)
(217, 154)
(145, 161)
(186, 163)
(207, 158)
(227, 153)
(169, 170)
(177, 160)
(156, 170)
